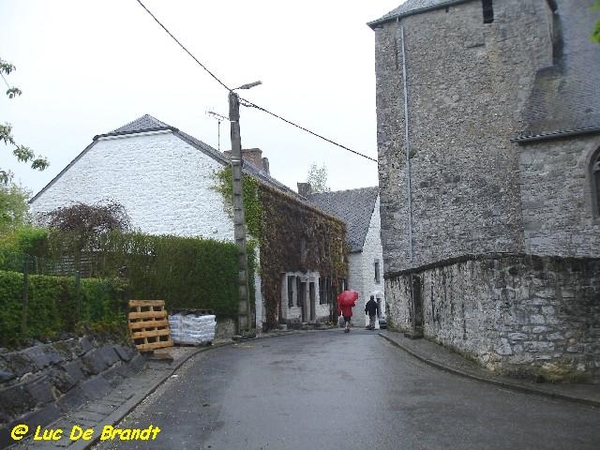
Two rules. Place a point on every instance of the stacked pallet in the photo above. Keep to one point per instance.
(149, 325)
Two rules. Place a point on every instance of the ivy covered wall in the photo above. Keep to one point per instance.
(293, 236)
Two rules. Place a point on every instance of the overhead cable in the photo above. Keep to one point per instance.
(246, 102)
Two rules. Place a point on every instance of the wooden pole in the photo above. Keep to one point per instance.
(239, 222)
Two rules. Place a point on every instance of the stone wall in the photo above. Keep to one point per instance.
(467, 83)
(559, 217)
(40, 383)
(521, 315)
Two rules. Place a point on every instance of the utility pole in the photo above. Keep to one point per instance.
(239, 221)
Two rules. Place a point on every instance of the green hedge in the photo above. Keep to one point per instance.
(52, 306)
(185, 272)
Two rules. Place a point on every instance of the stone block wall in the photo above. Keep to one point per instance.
(520, 315)
(40, 383)
(559, 216)
(467, 84)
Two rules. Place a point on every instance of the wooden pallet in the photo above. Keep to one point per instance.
(149, 325)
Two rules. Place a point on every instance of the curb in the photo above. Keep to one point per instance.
(134, 401)
(502, 383)
(117, 415)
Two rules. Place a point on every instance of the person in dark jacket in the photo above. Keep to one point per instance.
(372, 309)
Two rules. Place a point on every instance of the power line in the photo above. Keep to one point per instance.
(246, 102)
(260, 108)
(183, 47)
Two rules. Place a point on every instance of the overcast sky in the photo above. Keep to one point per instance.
(87, 67)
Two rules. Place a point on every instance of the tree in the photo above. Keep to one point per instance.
(14, 210)
(596, 32)
(317, 177)
(22, 153)
(82, 225)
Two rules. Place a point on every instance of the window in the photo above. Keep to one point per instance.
(322, 298)
(301, 291)
(377, 272)
(596, 183)
(290, 291)
(488, 11)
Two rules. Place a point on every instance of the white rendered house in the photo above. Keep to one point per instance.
(359, 209)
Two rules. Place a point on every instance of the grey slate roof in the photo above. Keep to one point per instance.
(355, 207)
(148, 123)
(566, 97)
(144, 123)
(410, 7)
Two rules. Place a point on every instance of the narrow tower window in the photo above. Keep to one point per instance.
(488, 11)
(596, 183)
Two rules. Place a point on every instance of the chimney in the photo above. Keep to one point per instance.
(253, 156)
(304, 189)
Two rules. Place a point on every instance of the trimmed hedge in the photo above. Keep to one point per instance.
(52, 306)
(185, 272)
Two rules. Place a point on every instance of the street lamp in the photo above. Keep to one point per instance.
(239, 221)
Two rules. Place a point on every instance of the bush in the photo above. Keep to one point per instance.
(185, 272)
(52, 306)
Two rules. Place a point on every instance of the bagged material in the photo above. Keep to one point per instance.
(192, 329)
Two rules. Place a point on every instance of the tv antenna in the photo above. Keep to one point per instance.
(220, 118)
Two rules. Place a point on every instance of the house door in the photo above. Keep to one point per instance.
(417, 301)
(302, 300)
(312, 299)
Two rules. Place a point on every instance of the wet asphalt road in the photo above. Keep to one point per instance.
(330, 390)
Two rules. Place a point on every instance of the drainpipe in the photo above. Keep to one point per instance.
(413, 333)
(407, 146)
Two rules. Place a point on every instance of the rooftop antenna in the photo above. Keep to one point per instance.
(220, 118)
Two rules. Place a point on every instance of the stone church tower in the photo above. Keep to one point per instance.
(489, 166)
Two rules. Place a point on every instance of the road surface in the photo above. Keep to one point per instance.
(330, 390)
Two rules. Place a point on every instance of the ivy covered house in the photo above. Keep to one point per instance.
(172, 183)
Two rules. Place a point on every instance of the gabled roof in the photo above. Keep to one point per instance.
(147, 124)
(144, 123)
(410, 7)
(355, 207)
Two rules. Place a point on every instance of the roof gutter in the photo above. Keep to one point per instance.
(557, 135)
(407, 147)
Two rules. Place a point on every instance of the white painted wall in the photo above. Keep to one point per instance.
(163, 183)
(362, 269)
(295, 312)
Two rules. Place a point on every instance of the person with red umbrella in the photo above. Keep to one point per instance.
(346, 300)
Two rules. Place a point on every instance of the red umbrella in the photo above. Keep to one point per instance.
(347, 298)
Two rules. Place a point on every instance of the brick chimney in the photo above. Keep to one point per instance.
(254, 157)
(304, 189)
